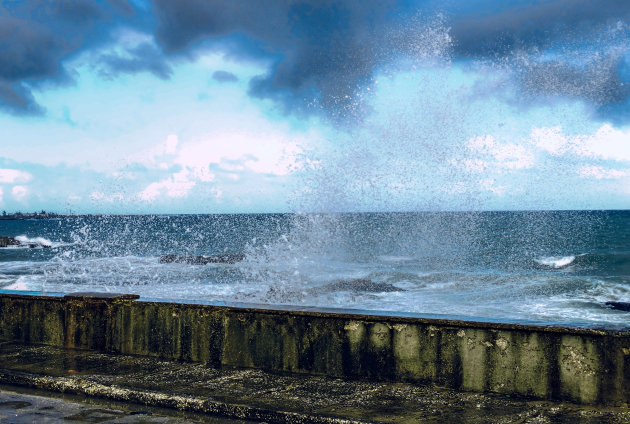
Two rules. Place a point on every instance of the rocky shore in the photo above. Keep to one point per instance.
(8, 241)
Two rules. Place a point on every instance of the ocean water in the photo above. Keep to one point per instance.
(553, 267)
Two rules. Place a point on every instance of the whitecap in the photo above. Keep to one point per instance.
(35, 241)
(39, 242)
(394, 259)
(555, 261)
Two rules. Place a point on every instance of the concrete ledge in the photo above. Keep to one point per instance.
(24, 405)
(546, 362)
(166, 400)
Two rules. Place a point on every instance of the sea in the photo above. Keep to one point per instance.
(548, 267)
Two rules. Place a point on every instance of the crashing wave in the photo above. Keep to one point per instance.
(33, 242)
(555, 261)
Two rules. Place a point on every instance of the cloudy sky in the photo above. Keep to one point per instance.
(202, 106)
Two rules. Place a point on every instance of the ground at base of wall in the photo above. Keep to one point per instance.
(255, 395)
(19, 405)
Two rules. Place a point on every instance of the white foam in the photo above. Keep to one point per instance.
(555, 261)
(395, 259)
(20, 284)
(38, 242)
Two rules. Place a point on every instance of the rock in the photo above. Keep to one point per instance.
(8, 241)
(362, 285)
(225, 258)
(622, 306)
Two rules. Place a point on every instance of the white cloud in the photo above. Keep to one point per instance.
(505, 155)
(177, 185)
(266, 152)
(19, 192)
(170, 146)
(13, 176)
(223, 156)
(475, 165)
(551, 140)
(490, 185)
(599, 173)
(99, 196)
(606, 143)
(1, 194)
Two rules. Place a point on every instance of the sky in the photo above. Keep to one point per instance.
(207, 106)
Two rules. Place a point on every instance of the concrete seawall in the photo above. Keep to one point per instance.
(580, 365)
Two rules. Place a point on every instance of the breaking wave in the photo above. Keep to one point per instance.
(555, 261)
(33, 242)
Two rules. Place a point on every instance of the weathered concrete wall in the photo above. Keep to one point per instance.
(580, 365)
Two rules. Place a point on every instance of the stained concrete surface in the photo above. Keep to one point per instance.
(582, 365)
(256, 395)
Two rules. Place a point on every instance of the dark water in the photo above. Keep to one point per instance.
(556, 266)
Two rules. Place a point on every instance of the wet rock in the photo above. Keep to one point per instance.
(362, 285)
(225, 258)
(622, 306)
(8, 241)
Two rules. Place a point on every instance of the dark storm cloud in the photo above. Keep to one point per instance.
(325, 50)
(598, 82)
(588, 42)
(516, 25)
(15, 99)
(224, 76)
(322, 51)
(36, 35)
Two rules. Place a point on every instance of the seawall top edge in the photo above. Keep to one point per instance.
(579, 328)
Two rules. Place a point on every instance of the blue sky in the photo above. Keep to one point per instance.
(211, 107)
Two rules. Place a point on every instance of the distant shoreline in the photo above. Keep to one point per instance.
(22, 216)
(35, 215)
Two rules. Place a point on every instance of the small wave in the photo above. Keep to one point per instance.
(394, 259)
(40, 242)
(33, 242)
(555, 261)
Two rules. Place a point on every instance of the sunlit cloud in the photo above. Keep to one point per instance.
(178, 185)
(504, 155)
(223, 156)
(607, 143)
(599, 173)
(19, 192)
(13, 176)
